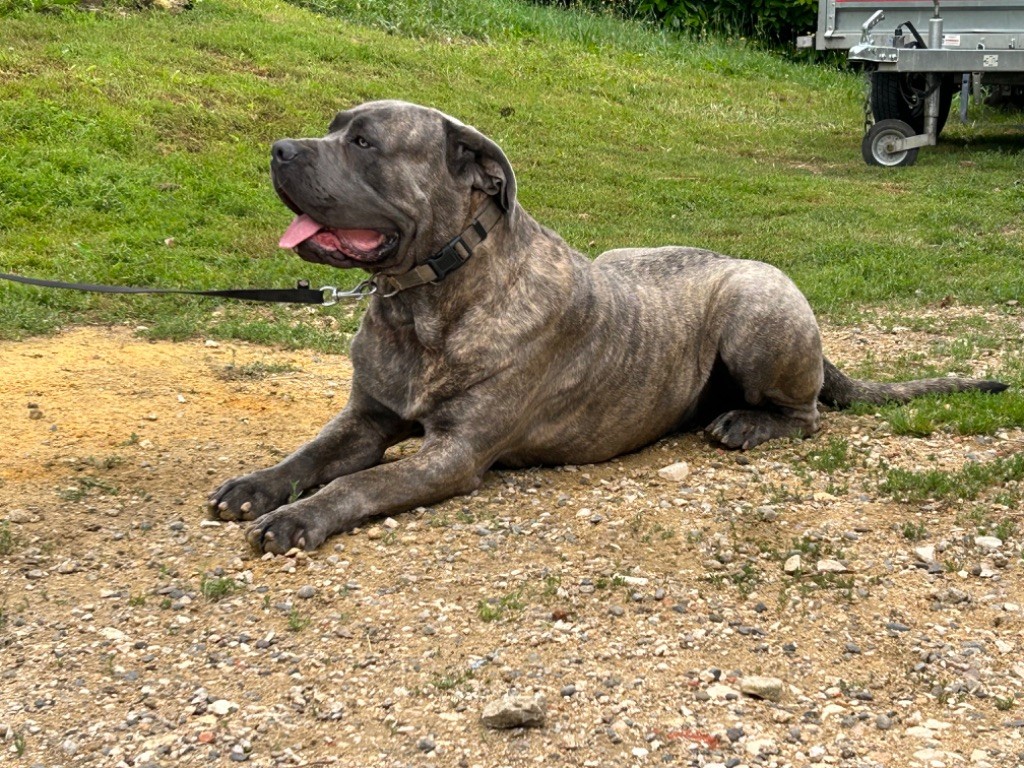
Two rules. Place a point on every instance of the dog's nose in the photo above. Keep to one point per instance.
(285, 150)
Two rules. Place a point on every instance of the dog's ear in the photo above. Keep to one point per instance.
(470, 152)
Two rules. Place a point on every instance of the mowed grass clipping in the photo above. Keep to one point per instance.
(133, 150)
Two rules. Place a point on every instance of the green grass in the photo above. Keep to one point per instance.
(966, 340)
(119, 132)
(967, 483)
(495, 609)
(216, 589)
(832, 456)
(7, 539)
(133, 150)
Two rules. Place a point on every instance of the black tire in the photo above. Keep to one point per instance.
(898, 96)
(873, 148)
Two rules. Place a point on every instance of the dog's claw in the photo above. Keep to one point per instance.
(246, 507)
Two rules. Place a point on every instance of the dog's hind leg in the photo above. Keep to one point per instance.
(772, 352)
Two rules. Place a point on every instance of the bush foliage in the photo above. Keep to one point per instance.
(774, 22)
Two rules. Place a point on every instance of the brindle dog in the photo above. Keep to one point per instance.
(505, 346)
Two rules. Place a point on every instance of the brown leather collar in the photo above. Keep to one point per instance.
(450, 258)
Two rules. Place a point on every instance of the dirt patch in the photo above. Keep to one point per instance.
(134, 631)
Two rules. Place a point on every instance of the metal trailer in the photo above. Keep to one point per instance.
(918, 57)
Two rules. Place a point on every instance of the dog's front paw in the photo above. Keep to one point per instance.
(249, 496)
(286, 528)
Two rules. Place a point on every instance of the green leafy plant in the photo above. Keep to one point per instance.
(776, 21)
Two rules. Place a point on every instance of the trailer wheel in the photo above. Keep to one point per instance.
(876, 145)
(900, 96)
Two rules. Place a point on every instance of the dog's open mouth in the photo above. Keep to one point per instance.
(359, 245)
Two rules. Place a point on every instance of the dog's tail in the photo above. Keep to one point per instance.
(840, 391)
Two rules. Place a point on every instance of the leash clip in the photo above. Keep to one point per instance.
(331, 294)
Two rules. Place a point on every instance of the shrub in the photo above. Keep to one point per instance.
(775, 22)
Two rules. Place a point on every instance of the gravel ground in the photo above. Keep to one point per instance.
(636, 617)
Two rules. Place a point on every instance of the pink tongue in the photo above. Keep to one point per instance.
(302, 228)
(362, 239)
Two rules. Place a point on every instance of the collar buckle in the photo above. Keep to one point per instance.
(449, 259)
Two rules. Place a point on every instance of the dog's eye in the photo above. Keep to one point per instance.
(362, 143)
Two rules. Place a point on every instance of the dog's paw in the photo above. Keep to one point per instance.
(741, 429)
(248, 497)
(285, 529)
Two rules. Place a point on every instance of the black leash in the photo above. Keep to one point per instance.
(435, 269)
(300, 294)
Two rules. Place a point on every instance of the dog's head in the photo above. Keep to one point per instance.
(389, 185)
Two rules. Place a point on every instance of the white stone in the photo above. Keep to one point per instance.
(513, 711)
(831, 566)
(762, 687)
(988, 542)
(720, 691)
(635, 581)
(925, 554)
(222, 707)
(793, 564)
(761, 747)
(832, 710)
(675, 473)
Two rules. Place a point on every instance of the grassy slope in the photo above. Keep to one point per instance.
(119, 132)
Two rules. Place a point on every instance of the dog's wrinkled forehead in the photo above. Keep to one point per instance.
(392, 118)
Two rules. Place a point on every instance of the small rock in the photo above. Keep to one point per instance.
(675, 473)
(515, 711)
(720, 692)
(221, 707)
(831, 566)
(426, 744)
(988, 542)
(635, 581)
(306, 592)
(793, 564)
(925, 554)
(22, 516)
(883, 722)
(832, 710)
(639, 752)
(762, 687)
(113, 634)
(761, 747)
